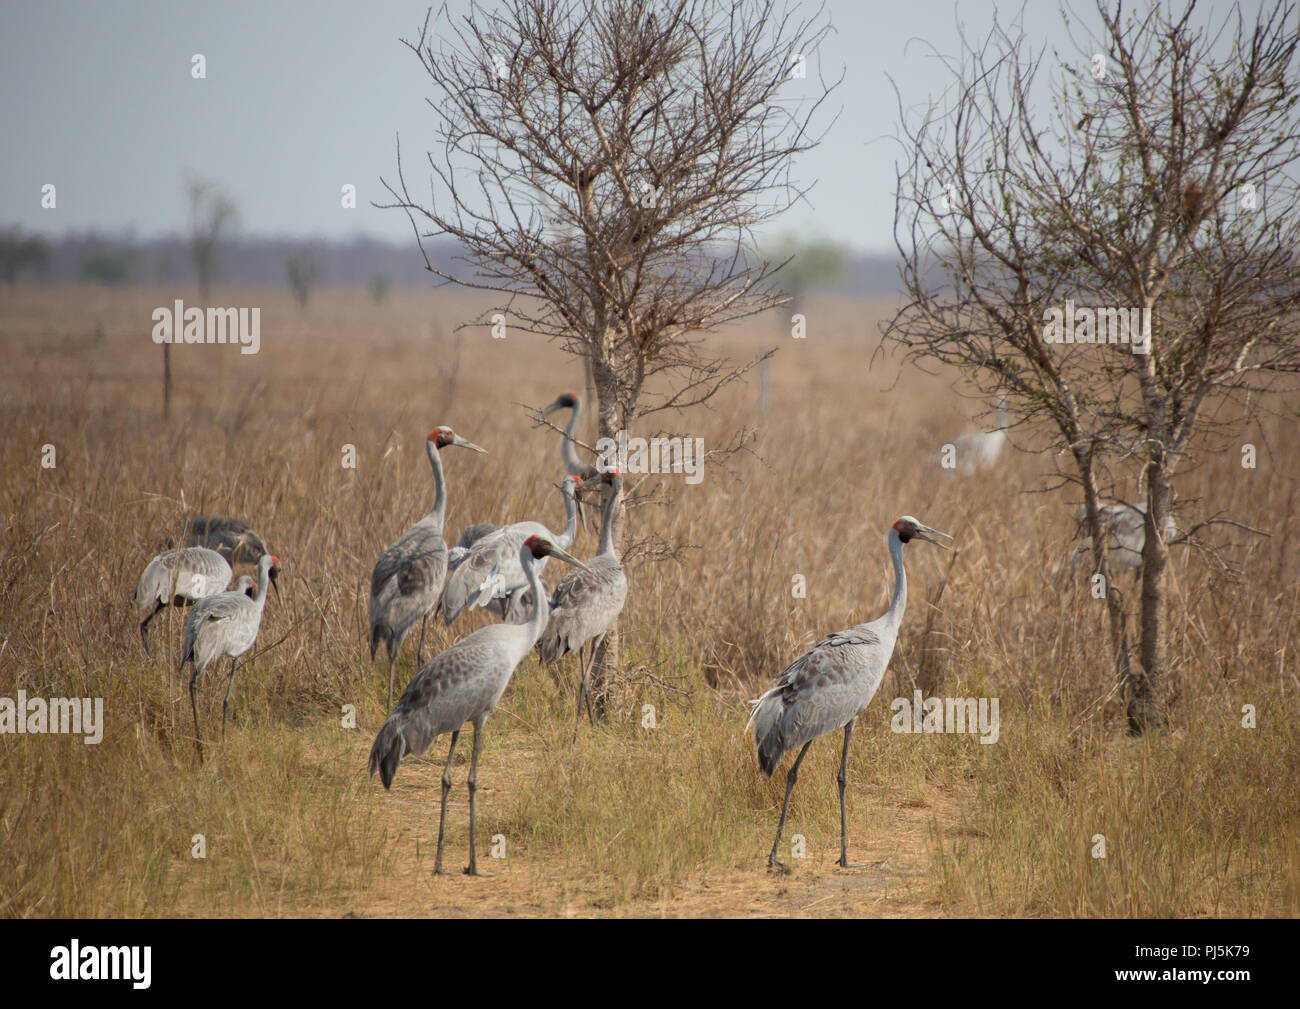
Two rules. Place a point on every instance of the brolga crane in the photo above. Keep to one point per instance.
(224, 624)
(491, 570)
(408, 576)
(1124, 527)
(979, 450)
(586, 602)
(179, 578)
(233, 538)
(828, 686)
(464, 684)
(246, 585)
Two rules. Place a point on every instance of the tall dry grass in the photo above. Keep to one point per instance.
(1197, 820)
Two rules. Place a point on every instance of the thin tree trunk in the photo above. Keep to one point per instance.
(1116, 616)
(605, 669)
(1146, 697)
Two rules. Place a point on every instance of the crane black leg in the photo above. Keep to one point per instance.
(446, 787)
(584, 692)
(472, 868)
(225, 705)
(843, 780)
(144, 626)
(194, 707)
(389, 705)
(790, 779)
(419, 651)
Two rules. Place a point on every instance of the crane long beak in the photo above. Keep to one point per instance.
(921, 534)
(548, 410)
(274, 577)
(564, 555)
(458, 440)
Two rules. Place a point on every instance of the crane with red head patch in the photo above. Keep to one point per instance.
(828, 686)
(408, 577)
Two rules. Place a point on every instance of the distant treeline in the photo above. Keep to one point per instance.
(358, 262)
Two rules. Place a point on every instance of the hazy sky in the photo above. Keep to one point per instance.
(302, 97)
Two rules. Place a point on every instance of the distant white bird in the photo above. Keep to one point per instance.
(224, 624)
(1125, 530)
(979, 450)
(179, 578)
(408, 576)
(491, 570)
(586, 602)
(461, 685)
(828, 687)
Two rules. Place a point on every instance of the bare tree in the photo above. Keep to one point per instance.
(1161, 187)
(212, 214)
(603, 164)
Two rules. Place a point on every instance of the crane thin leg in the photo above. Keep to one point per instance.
(194, 707)
(790, 779)
(472, 868)
(584, 694)
(144, 625)
(225, 705)
(843, 779)
(389, 705)
(419, 651)
(446, 787)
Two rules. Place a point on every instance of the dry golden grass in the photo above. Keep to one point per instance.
(675, 820)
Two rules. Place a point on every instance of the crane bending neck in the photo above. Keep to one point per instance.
(565, 539)
(439, 483)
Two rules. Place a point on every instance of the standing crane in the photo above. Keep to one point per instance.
(586, 602)
(464, 684)
(224, 624)
(408, 576)
(1124, 528)
(179, 578)
(491, 570)
(828, 686)
(979, 450)
(233, 538)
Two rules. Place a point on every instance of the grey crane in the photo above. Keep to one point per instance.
(246, 585)
(233, 538)
(828, 686)
(463, 684)
(408, 576)
(1124, 527)
(224, 624)
(179, 578)
(491, 570)
(586, 602)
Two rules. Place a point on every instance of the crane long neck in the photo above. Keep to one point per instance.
(439, 483)
(899, 602)
(566, 447)
(565, 539)
(607, 521)
(263, 583)
(541, 612)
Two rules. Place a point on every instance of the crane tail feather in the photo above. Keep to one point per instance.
(769, 735)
